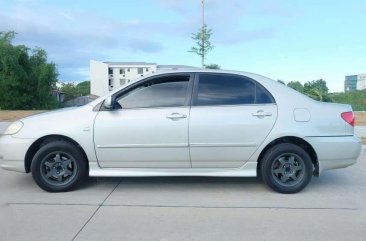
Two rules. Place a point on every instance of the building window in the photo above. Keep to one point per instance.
(140, 70)
(128, 70)
(110, 71)
(147, 69)
(122, 81)
(121, 71)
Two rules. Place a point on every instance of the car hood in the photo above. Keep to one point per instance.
(47, 113)
(58, 122)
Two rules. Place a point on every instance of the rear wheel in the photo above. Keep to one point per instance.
(58, 166)
(286, 168)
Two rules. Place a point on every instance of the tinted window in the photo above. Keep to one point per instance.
(214, 89)
(263, 96)
(160, 92)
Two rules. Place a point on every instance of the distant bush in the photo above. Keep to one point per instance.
(355, 98)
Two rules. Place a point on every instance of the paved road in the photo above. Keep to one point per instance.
(333, 208)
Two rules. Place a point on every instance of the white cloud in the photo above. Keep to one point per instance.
(224, 17)
(74, 37)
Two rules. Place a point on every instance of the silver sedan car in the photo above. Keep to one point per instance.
(186, 123)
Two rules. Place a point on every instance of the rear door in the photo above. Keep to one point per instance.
(230, 117)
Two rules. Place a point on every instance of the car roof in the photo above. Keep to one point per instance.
(256, 77)
(196, 70)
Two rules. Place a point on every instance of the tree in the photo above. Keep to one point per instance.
(203, 44)
(69, 90)
(318, 90)
(319, 84)
(83, 88)
(212, 66)
(73, 91)
(296, 85)
(26, 77)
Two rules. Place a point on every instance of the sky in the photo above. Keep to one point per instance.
(291, 40)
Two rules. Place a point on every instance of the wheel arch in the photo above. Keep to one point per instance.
(32, 150)
(296, 141)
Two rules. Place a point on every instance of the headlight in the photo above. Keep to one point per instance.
(14, 128)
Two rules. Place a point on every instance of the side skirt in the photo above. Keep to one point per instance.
(248, 170)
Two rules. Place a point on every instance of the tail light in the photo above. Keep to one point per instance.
(349, 117)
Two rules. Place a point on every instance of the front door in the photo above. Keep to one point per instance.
(148, 128)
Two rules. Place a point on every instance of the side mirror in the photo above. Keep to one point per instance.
(108, 102)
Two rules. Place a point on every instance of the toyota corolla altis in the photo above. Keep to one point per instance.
(186, 123)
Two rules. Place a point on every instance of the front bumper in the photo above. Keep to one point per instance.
(12, 152)
(335, 151)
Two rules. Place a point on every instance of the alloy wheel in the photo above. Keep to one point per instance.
(58, 168)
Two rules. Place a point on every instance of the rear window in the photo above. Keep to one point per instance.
(220, 89)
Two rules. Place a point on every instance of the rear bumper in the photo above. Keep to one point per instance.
(335, 152)
(12, 152)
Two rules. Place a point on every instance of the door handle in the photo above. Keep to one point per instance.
(261, 114)
(176, 116)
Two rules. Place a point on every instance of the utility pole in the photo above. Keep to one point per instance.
(203, 13)
(203, 25)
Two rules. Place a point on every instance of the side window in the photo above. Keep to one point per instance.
(160, 92)
(217, 89)
(263, 96)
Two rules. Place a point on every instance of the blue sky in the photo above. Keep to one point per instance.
(282, 39)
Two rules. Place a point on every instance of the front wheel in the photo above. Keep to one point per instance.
(58, 166)
(286, 168)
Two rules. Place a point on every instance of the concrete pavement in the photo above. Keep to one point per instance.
(333, 208)
(360, 131)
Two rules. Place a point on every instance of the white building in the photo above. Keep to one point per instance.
(107, 76)
(361, 83)
(355, 82)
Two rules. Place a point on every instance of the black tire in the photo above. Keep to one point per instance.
(59, 160)
(286, 168)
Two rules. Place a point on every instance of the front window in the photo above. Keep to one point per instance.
(160, 92)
